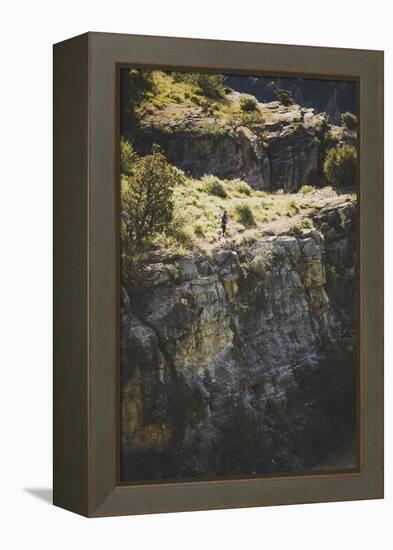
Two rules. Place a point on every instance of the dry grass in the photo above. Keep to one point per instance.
(175, 100)
(201, 210)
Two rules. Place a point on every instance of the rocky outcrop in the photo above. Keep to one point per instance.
(294, 155)
(285, 152)
(230, 362)
(225, 153)
(282, 153)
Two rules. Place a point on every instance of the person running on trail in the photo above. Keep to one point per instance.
(224, 223)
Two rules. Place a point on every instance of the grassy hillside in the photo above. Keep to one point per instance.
(172, 98)
(199, 204)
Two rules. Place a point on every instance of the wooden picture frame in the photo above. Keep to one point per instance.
(86, 273)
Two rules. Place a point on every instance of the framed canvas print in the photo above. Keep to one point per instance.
(218, 260)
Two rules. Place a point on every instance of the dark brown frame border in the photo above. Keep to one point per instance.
(86, 273)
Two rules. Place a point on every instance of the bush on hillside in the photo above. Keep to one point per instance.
(284, 97)
(349, 120)
(146, 199)
(340, 165)
(210, 85)
(128, 157)
(243, 187)
(245, 215)
(248, 103)
(251, 119)
(214, 186)
(306, 189)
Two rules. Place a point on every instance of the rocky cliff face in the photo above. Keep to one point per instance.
(285, 152)
(243, 362)
(285, 156)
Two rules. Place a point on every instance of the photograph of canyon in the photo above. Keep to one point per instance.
(239, 283)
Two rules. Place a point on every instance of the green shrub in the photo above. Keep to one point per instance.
(248, 103)
(245, 215)
(292, 205)
(340, 165)
(149, 95)
(306, 189)
(243, 187)
(128, 157)
(214, 186)
(285, 97)
(294, 228)
(176, 98)
(265, 205)
(198, 230)
(349, 120)
(250, 119)
(147, 200)
(158, 104)
(210, 85)
(323, 126)
(307, 223)
(179, 76)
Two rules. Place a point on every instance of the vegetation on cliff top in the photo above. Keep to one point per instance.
(168, 99)
(164, 209)
(340, 165)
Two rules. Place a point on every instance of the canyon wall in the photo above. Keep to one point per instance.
(286, 152)
(243, 361)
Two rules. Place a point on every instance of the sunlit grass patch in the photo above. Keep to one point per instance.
(307, 189)
(245, 215)
(214, 186)
(243, 188)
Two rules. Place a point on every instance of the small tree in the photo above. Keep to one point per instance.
(146, 199)
(349, 120)
(252, 119)
(248, 103)
(245, 215)
(128, 157)
(214, 186)
(285, 97)
(340, 165)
